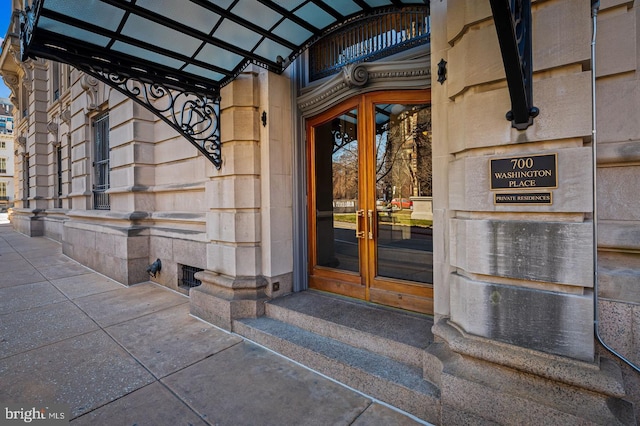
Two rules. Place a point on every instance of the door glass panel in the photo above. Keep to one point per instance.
(336, 192)
(404, 244)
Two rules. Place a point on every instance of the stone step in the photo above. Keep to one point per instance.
(392, 333)
(386, 379)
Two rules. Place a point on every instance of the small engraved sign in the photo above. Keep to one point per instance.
(526, 172)
(523, 198)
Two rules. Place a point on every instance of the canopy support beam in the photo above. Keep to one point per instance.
(513, 24)
(195, 116)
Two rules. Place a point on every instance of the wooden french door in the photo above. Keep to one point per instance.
(370, 216)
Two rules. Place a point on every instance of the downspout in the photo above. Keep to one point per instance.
(595, 5)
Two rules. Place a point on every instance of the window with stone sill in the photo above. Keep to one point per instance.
(101, 182)
(54, 76)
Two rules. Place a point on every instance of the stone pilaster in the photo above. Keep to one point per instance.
(233, 286)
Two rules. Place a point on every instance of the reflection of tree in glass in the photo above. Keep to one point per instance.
(403, 151)
(345, 160)
(422, 166)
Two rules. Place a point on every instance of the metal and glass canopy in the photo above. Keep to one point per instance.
(190, 48)
(196, 45)
(173, 56)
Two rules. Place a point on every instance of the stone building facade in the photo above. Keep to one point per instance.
(510, 286)
(6, 154)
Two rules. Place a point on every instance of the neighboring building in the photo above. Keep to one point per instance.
(6, 153)
(378, 166)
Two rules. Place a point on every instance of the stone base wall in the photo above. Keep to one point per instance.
(53, 225)
(121, 253)
(27, 222)
(482, 381)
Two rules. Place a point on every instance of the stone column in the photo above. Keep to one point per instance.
(33, 133)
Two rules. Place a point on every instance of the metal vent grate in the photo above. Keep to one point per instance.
(188, 280)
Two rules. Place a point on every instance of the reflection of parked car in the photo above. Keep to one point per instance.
(401, 203)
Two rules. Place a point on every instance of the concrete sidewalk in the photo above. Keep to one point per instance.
(133, 355)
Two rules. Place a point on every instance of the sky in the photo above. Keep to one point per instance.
(5, 15)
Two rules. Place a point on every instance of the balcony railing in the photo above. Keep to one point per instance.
(374, 38)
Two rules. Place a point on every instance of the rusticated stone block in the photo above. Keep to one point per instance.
(555, 252)
(557, 323)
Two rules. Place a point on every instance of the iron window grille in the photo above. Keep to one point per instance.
(27, 177)
(371, 39)
(101, 164)
(188, 279)
(59, 175)
(24, 102)
(55, 80)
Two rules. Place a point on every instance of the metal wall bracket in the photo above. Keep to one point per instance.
(513, 24)
(194, 115)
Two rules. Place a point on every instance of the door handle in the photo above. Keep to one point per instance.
(359, 216)
(370, 217)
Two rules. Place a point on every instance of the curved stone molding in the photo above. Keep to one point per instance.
(355, 75)
(52, 127)
(28, 67)
(22, 141)
(90, 85)
(366, 77)
(12, 81)
(65, 116)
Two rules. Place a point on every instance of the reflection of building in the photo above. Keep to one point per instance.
(250, 210)
(6, 153)
(407, 153)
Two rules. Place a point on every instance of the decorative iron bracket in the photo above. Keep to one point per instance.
(513, 24)
(194, 115)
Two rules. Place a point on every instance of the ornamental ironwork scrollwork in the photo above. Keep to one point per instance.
(27, 23)
(195, 116)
